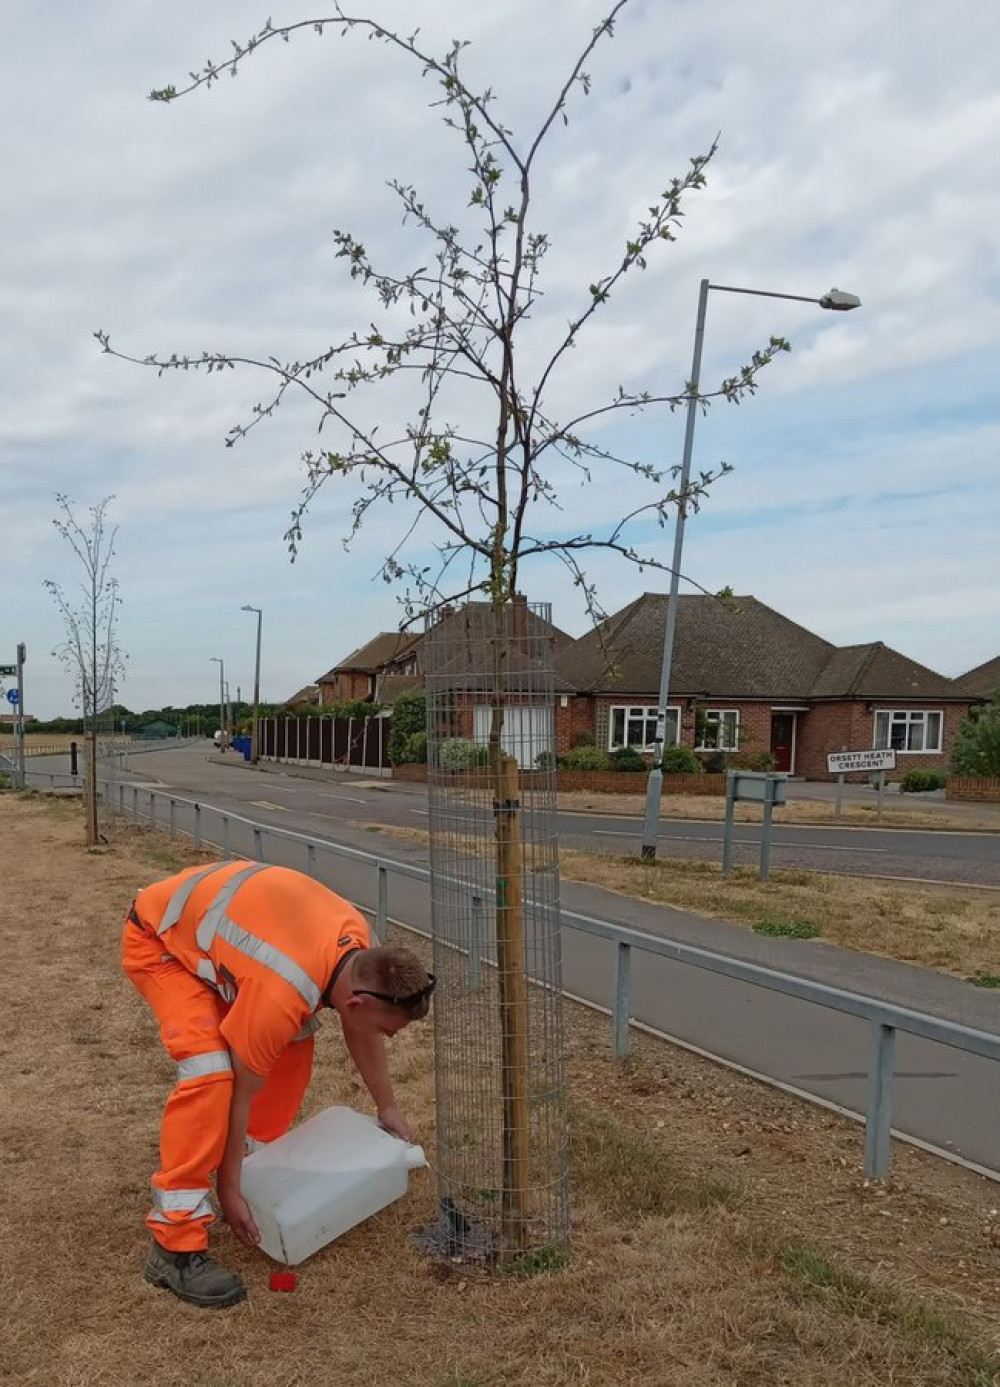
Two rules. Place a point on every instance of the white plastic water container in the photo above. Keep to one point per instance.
(323, 1177)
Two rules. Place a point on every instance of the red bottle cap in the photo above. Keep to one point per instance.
(283, 1280)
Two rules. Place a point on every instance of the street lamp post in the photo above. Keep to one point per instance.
(255, 730)
(216, 660)
(836, 300)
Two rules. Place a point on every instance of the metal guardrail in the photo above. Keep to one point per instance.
(884, 1018)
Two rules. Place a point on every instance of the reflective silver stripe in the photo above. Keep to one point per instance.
(270, 957)
(206, 971)
(197, 1066)
(194, 1203)
(179, 899)
(310, 1028)
(209, 923)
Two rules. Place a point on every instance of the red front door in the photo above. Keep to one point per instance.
(783, 740)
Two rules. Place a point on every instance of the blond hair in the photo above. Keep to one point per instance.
(398, 973)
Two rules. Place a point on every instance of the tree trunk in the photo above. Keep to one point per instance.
(90, 792)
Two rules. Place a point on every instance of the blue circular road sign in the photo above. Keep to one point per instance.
(12, 696)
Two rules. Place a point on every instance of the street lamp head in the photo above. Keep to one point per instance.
(840, 301)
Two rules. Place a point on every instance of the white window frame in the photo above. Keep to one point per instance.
(645, 713)
(908, 718)
(719, 715)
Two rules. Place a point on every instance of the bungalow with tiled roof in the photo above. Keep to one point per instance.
(357, 678)
(746, 678)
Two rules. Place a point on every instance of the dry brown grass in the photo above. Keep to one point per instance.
(910, 812)
(722, 1232)
(952, 930)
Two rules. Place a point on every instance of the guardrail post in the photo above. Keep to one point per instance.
(173, 816)
(381, 900)
(197, 825)
(225, 835)
(878, 1123)
(152, 808)
(622, 1002)
(258, 843)
(475, 942)
(765, 832)
(121, 800)
(311, 859)
(727, 832)
(135, 803)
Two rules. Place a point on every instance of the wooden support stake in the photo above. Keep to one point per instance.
(512, 982)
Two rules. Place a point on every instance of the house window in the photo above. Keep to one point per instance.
(903, 730)
(635, 725)
(719, 729)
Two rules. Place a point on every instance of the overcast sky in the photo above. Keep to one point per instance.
(860, 147)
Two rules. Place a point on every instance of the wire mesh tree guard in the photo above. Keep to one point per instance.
(500, 1062)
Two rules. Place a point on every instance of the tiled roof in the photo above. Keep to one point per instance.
(373, 656)
(982, 681)
(736, 648)
(308, 694)
(878, 671)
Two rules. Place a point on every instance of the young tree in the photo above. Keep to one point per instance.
(480, 457)
(90, 650)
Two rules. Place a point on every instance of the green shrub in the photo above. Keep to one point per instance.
(409, 715)
(977, 741)
(680, 760)
(918, 782)
(546, 761)
(585, 758)
(754, 761)
(582, 739)
(415, 749)
(626, 758)
(460, 754)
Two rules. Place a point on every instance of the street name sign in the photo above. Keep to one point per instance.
(873, 759)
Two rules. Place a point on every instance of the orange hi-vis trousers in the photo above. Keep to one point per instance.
(196, 1116)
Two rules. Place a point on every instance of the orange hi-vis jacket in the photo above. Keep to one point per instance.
(266, 938)
(233, 958)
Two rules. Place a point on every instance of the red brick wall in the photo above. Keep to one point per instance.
(850, 726)
(973, 787)
(346, 687)
(600, 782)
(577, 716)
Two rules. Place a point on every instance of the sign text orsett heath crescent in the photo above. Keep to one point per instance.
(881, 759)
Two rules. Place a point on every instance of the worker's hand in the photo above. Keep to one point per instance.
(236, 1212)
(394, 1121)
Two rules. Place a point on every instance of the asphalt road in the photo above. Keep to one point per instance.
(942, 1096)
(971, 859)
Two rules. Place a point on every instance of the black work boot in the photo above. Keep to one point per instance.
(194, 1277)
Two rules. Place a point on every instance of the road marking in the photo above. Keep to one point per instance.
(743, 842)
(425, 812)
(351, 799)
(266, 804)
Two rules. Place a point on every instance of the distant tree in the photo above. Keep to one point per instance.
(977, 741)
(90, 650)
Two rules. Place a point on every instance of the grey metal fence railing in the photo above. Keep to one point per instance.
(884, 1019)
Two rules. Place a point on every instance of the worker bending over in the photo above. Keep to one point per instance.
(236, 959)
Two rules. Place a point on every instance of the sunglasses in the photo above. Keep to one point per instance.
(414, 998)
